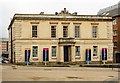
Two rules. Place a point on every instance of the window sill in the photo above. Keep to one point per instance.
(77, 37)
(54, 57)
(35, 58)
(115, 35)
(77, 57)
(95, 57)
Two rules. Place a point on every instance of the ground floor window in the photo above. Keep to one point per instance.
(53, 51)
(35, 51)
(95, 50)
(77, 50)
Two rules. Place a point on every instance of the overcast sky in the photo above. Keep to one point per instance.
(84, 7)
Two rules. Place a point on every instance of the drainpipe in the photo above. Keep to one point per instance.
(11, 48)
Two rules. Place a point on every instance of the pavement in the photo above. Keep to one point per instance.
(29, 73)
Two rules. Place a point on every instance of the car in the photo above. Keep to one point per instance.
(5, 60)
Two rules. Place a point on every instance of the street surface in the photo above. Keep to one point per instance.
(28, 73)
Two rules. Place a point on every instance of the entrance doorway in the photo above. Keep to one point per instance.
(67, 53)
(117, 57)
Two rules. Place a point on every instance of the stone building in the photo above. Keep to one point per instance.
(4, 47)
(114, 11)
(60, 37)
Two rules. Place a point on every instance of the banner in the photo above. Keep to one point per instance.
(27, 55)
(88, 55)
(104, 54)
(45, 54)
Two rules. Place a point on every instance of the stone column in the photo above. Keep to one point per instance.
(73, 53)
(61, 54)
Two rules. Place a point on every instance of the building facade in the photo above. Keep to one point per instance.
(60, 37)
(114, 11)
(4, 47)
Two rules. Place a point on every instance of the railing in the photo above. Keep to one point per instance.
(66, 41)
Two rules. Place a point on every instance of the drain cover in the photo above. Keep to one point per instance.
(36, 78)
(110, 76)
(74, 77)
(48, 69)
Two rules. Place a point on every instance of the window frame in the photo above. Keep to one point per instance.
(95, 48)
(54, 51)
(114, 22)
(77, 32)
(77, 51)
(114, 32)
(65, 31)
(94, 31)
(34, 32)
(115, 44)
(37, 51)
(53, 29)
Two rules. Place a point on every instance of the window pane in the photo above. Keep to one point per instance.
(77, 50)
(53, 31)
(114, 32)
(53, 51)
(94, 31)
(65, 31)
(115, 44)
(77, 31)
(95, 50)
(34, 31)
(35, 51)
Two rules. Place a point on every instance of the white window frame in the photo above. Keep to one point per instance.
(37, 51)
(52, 51)
(34, 31)
(94, 31)
(54, 33)
(96, 54)
(77, 31)
(114, 32)
(114, 22)
(76, 52)
(66, 32)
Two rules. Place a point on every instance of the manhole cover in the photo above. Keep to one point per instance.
(74, 77)
(110, 76)
(48, 69)
(36, 78)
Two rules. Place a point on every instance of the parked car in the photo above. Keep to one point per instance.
(3, 60)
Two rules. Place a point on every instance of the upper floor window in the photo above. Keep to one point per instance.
(114, 21)
(34, 31)
(53, 31)
(114, 32)
(35, 51)
(77, 50)
(53, 51)
(94, 31)
(77, 31)
(115, 44)
(95, 50)
(65, 31)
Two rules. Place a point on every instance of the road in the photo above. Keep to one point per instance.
(28, 73)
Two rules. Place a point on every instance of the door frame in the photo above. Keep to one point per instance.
(68, 48)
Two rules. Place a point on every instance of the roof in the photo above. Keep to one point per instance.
(113, 10)
(3, 39)
(63, 15)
